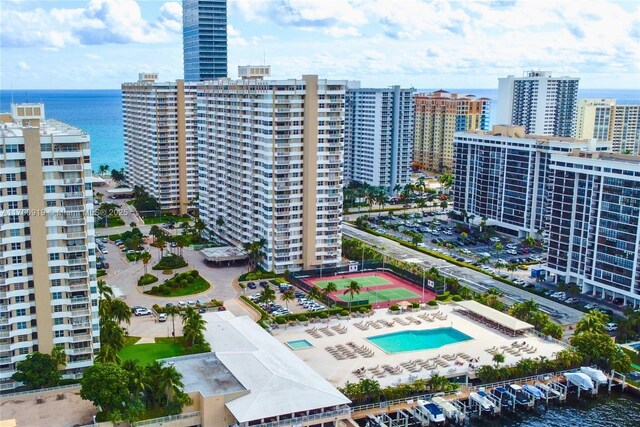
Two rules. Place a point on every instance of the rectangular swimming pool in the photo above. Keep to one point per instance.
(399, 342)
(299, 344)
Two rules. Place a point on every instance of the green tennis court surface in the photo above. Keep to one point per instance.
(393, 294)
(364, 282)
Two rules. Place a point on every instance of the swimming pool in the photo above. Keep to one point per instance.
(299, 344)
(399, 342)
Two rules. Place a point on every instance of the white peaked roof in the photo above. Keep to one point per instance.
(277, 380)
(495, 316)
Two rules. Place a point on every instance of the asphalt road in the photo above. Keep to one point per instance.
(475, 280)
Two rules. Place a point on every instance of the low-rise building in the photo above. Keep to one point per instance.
(251, 379)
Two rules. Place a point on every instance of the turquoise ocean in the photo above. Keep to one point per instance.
(99, 112)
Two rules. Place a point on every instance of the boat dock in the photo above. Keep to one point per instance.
(489, 400)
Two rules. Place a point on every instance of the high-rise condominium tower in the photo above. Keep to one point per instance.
(438, 116)
(378, 136)
(160, 140)
(271, 166)
(543, 104)
(594, 233)
(604, 120)
(503, 176)
(48, 285)
(204, 39)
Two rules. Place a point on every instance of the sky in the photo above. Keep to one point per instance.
(99, 44)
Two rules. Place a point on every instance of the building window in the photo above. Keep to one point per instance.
(21, 325)
(15, 232)
(16, 259)
(58, 320)
(12, 191)
(56, 295)
(57, 309)
(56, 282)
(58, 334)
(19, 299)
(54, 257)
(21, 312)
(23, 350)
(55, 270)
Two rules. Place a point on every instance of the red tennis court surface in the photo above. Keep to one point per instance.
(380, 288)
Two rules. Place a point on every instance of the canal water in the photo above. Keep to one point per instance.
(615, 410)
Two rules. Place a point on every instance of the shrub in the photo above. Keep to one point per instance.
(281, 320)
(323, 315)
(167, 271)
(344, 313)
(443, 297)
(394, 307)
(302, 318)
(184, 283)
(415, 305)
(155, 290)
(194, 273)
(363, 310)
(456, 298)
(171, 261)
(432, 303)
(147, 279)
(189, 278)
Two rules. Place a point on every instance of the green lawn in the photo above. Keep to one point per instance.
(145, 354)
(114, 221)
(364, 282)
(198, 285)
(383, 295)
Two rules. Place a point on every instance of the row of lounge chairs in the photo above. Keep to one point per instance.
(341, 352)
(340, 329)
(362, 350)
(379, 324)
(432, 317)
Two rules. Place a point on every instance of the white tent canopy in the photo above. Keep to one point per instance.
(495, 316)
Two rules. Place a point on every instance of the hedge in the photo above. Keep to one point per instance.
(263, 314)
(170, 262)
(147, 279)
(257, 275)
(443, 297)
(302, 318)
(432, 303)
(394, 307)
(456, 298)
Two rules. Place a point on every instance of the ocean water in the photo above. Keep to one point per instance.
(99, 112)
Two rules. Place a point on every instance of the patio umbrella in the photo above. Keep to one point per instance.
(404, 304)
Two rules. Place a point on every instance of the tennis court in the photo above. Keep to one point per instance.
(383, 295)
(364, 282)
(380, 287)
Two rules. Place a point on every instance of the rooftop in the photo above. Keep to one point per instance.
(47, 127)
(206, 374)
(223, 253)
(495, 316)
(277, 380)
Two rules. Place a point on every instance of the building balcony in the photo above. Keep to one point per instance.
(76, 235)
(76, 351)
(72, 168)
(83, 337)
(80, 312)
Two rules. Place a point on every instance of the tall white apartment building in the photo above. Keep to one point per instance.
(503, 176)
(271, 166)
(48, 285)
(604, 120)
(378, 136)
(594, 233)
(543, 104)
(160, 140)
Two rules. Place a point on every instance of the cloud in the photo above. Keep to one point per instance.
(99, 22)
(234, 37)
(342, 31)
(23, 65)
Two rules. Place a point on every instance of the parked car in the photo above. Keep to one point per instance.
(201, 302)
(182, 304)
(591, 306)
(142, 312)
(162, 317)
(606, 311)
(105, 240)
(610, 327)
(104, 250)
(251, 285)
(618, 301)
(572, 300)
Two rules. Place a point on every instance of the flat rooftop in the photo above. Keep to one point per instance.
(206, 374)
(49, 127)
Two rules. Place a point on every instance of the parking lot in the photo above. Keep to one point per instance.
(294, 306)
(445, 236)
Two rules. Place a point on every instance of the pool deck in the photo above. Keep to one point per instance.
(338, 372)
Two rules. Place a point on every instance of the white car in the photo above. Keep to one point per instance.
(591, 306)
(104, 250)
(495, 239)
(610, 327)
(182, 303)
(512, 252)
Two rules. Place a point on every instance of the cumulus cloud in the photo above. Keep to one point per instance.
(99, 22)
(23, 65)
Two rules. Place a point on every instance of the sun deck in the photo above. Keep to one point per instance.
(341, 350)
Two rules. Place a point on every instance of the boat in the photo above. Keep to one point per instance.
(522, 398)
(533, 391)
(481, 398)
(432, 411)
(449, 409)
(583, 381)
(595, 374)
(505, 397)
(373, 421)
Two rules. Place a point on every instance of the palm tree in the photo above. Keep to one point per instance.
(172, 311)
(254, 250)
(498, 247)
(370, 197)
(219, 224)
(593, 321)
(446, 180)
(169, 381)
(315, 293)
(107, 354)
(286, 297)
(354, 288)
(199, 226)
(103, 169)
(498, 358)
(193, 326)
(161, 244)
(382, 199)
(104, 290)
(437, 382)
(267, 295)
(511, 268)
(145, 257)
(328, 290)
